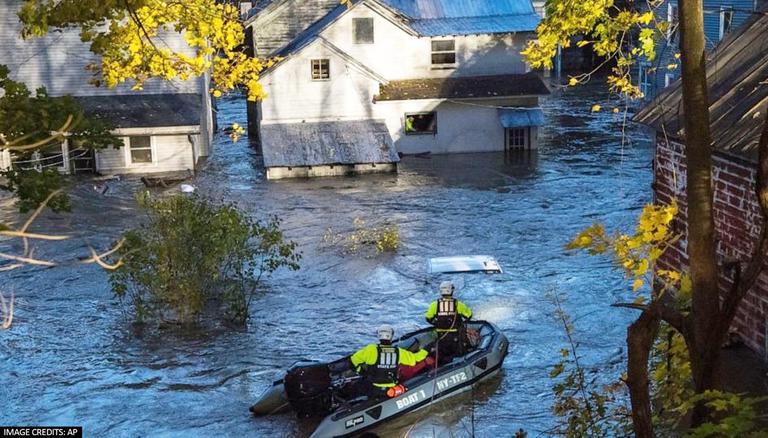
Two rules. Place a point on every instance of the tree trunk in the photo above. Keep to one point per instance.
(640, 336)
(703, 345)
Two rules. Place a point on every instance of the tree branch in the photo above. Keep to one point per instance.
(663, 311)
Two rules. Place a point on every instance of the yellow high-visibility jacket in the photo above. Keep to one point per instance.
(369, 355)
(461, 309)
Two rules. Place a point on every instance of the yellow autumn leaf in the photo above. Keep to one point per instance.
(677, 56)
(637, 284)
(671, 66)
(582, 43)
(573, 81)
(615, 110)
(596, 108)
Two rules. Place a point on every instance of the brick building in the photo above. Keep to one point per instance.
(737, 72)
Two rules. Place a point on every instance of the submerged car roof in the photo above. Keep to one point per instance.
(464, 264)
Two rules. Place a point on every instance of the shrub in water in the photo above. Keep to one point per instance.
(191, 252)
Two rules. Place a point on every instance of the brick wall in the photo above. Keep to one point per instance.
(737, 219)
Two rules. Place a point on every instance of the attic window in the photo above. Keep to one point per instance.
(321, 69)
(443, 53)
(363, 30)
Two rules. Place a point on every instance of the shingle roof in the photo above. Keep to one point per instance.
(737, 74)
(464, 87)
(321, 143)
(144, 110)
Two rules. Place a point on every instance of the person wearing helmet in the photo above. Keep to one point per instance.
(447, 315)
(379, 363)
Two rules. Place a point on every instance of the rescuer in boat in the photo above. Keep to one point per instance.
(447, 315)
(379, 364)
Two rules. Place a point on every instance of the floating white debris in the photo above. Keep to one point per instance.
(187, 188)
(464, 264)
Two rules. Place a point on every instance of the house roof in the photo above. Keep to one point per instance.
(311, 33)
(325, 143)
(144, 110)
(737, 71)
(467, 17)
(436, 18)
(470, 87)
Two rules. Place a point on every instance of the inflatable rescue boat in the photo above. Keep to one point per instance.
(318, 389)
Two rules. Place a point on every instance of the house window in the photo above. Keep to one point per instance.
(421, 123)
(140, 149)
(668, 79)
(321, 69)
(644, 81)
(443, 53)
(518, 138)
(726, 21)
(673, 18)
(363, 30)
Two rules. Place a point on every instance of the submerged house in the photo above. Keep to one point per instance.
(166, 127)
(737, 72)
(381, 77)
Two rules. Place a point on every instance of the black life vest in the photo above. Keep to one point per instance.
(384, 371)
(447, 316)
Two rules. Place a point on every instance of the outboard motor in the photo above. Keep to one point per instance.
(308, 387)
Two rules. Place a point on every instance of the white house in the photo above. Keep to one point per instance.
(409, 76)
(166, 127)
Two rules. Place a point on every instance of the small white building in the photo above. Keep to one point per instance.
(166, 127)
(383, 77)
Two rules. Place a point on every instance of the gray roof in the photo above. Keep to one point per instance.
(737, 71)
(469, 87)
(144, 110)
(327, 143)
(312, 32)
(467, 17)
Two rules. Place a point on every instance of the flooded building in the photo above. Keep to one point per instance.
(738, 95)
(381, 77)
(166, 127)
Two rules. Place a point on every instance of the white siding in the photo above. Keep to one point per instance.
(58, 60)
(292, 95)
(396, 54)
(460, 127)
(170, 153)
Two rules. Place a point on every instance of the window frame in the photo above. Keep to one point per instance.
(129, 151)
(355, 22)
(673, 18)
(433, 52)
(320, 62)
(421, 113)
(725, 10)
(522, 133)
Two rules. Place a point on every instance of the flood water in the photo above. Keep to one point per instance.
(71, 357)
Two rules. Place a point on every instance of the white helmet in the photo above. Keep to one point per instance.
(446, 289)
(385, 332)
